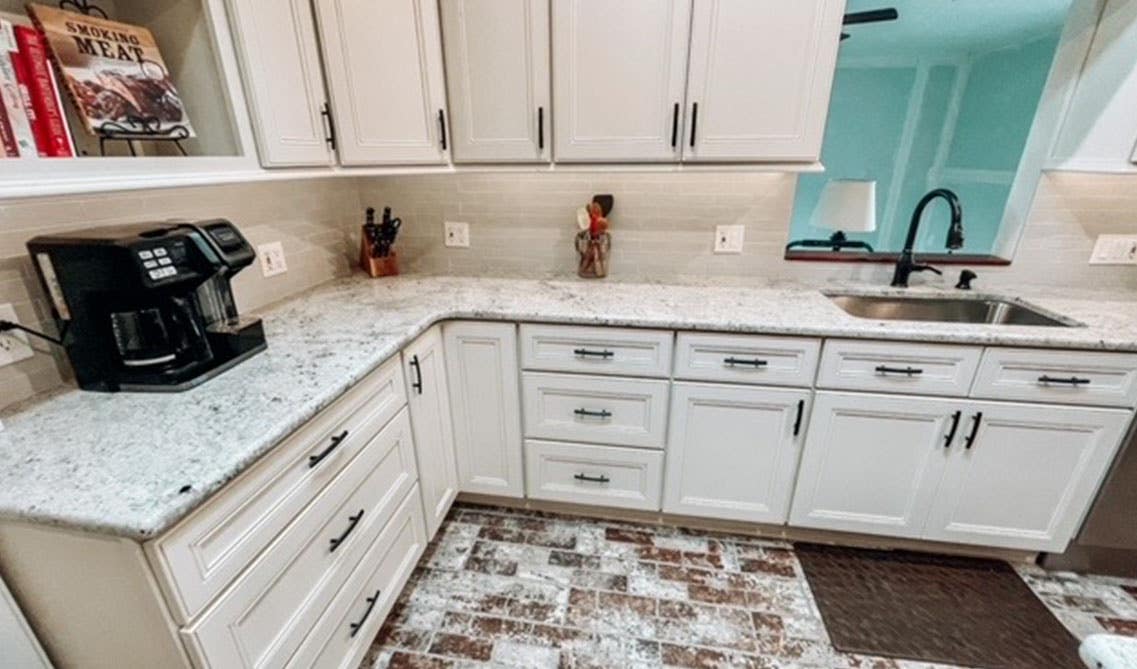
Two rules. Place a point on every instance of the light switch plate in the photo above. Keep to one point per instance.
(729, 238)
(1115, 250)
(272, 259)
(13, 343)
(456, 234)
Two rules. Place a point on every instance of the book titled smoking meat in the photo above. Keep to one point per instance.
(113, 72)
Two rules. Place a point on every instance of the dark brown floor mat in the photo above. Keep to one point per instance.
(933, 608)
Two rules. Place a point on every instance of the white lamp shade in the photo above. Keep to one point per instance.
(848, 205)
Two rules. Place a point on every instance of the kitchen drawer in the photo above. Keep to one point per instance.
(349, 625)
(771, 361)
(896, 367)
(1067, 377)
(617, 351)
(204, 553)
(565, 407)
(602, 475)
(265, 615)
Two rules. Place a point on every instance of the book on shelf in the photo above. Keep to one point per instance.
(51, 128)
(14, 97)
(113, 72)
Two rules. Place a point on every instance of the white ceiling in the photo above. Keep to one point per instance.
(942, 27)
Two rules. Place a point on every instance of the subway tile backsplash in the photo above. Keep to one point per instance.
(522, 224)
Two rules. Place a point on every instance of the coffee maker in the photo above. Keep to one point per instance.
(148, 307)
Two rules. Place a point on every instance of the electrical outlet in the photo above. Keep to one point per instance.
(13, 343)
(1115, 250)
(272, 259)
(457, 234)
(729, 238)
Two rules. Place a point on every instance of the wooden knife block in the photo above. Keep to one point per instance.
(376, 267)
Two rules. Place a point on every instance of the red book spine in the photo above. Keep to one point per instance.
(49, 115)
(8, 148)
(23, 76)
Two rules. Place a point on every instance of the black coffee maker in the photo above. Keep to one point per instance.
(148, 306)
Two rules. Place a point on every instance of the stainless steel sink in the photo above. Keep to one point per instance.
(946, 310)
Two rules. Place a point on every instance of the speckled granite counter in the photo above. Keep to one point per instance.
(115, 463)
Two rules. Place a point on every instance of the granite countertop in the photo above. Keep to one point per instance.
(118, 463)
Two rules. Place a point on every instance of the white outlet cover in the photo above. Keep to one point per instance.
(272, 259)
(729, 238)
(456, 234)
(13, 343)
(1115, 250)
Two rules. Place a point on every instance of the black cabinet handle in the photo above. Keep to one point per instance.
(585, 353)
(1071, 381)
(978, 418)
(330, 138)
(675, 125)
(314, 460)
(754, 362)
(442, 128)
(694, 121)
(907, 371)
(585, 413)
(540, 128)
(355, 627)
(955, 417)
(800, 413)
(417, 384)
(591, 479)
(338, 541)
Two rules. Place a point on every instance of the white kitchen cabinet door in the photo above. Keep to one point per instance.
(872, 463)
(280, 63)
(19, 647)
(619, 72)
(1022, 475)
(384, 65)
(760, 77)
(733, 451)
(429, 400)
(485, 401)
(497, 73)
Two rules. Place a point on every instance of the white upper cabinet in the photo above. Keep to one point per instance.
(497, 67)
(759, 79)
(1021, 475)
(384, 66)
(280, 61)
(619, 71)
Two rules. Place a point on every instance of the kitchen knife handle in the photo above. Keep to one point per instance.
(540, 129)
(442, 128)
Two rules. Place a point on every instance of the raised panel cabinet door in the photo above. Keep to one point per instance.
(619, 72)
(1022, 475)
(384, 65)
(497, 73)
(429, 400)
(485, 401)
(280, 63)
(872, 463)
(760, 78)
(733, 451)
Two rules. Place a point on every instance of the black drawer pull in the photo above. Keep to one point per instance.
(955, 417)
(675, 125)
(338, 541)
(442, 128)
(585, 413)
(591, 479)
(907, 371)
(800, 413)
(974, 431)
(587, 353)
(314, 460)
(355, 627)
(755, 362)
(417, 384)
(1071, 381)
(540, 128)
(694, 121)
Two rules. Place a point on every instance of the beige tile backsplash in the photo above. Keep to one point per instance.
(522, 224)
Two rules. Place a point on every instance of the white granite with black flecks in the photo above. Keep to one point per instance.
(133, 464)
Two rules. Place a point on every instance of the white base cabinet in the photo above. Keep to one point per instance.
(428, 395)
(963, 471)
(481, 364)
(733, 451)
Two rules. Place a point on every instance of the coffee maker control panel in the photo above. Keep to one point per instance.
(161, 261)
